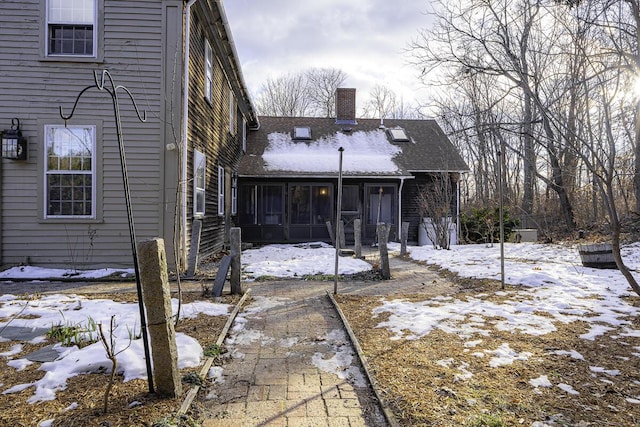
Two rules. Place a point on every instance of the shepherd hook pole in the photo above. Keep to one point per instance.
(113, 92)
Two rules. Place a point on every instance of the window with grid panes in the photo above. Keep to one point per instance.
(70, 171)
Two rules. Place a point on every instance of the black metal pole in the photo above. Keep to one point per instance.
(338, 219)
(127, 195)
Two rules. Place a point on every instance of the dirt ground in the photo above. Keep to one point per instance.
(130, 404)
(427, 382)
(422, 381)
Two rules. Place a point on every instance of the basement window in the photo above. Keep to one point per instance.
(398, 135)
(302, 132)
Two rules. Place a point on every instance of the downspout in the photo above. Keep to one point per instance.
(399, 226)
(185, 127)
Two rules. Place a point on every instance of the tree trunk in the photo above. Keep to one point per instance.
(615, 242)
(529, 159)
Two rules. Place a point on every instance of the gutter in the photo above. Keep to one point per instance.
(292, 176)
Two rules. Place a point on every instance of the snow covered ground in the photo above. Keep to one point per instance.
(47, 311)
(550, 279)
(547, 286)
(550, 276)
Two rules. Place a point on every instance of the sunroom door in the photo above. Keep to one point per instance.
(381, 204)
(310, 207)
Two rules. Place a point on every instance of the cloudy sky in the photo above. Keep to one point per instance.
(364, 38)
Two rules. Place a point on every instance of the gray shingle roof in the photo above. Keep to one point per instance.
(429, 149)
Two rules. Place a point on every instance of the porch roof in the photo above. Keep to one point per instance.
(369, 150)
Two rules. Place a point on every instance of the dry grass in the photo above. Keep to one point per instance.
(422, 390)
(130, 404)
(419, 390)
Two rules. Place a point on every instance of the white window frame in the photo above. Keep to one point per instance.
(56, 19)
(234, 194)
(221, 189)
(233, 111)
(208, 71)
(244, 135)
(85, 130)
(199, 184)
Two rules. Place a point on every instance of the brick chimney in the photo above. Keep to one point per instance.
(346, 106)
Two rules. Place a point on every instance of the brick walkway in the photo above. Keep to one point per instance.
(278, 374)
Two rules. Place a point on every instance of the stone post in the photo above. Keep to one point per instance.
(157, 300)
(357, 236)
(404, 236)
(236, 249)
(383, 235)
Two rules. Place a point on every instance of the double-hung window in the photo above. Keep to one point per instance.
(221, 190)
(199, 180)
(208, 71)
(234, 194)
(70, 171)
(71, 27)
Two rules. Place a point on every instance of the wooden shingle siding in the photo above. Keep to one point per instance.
(209, 133)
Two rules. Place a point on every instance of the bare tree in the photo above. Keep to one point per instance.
(565, 73)
(321, 89)
(284, 96)
(384, 103)
(310, 93)
(506, 41)
(435, 202)
(605, 129)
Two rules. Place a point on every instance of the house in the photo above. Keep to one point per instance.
(62, 199)
(289, 175)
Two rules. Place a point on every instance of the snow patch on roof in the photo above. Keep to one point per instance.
(363, 152)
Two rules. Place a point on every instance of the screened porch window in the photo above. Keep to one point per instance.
(310, 204)
(262, 204)
(350, 199)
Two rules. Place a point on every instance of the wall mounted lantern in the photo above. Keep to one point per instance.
(14, 146)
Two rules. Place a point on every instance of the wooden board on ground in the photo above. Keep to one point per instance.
(223, 270)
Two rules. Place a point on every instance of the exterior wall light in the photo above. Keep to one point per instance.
(14, 146)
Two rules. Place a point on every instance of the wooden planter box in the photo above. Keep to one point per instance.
(599, 255)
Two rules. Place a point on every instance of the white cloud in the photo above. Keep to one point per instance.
(364, 38)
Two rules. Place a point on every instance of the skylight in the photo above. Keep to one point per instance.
(301, 132)
(398, 135)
